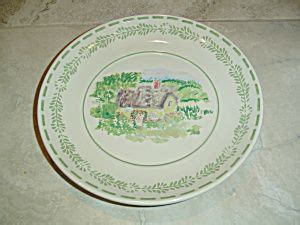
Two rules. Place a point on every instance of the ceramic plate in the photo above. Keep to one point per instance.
(149, 110)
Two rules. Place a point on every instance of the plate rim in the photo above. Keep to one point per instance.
(116, 199)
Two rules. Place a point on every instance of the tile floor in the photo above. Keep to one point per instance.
(264, 190)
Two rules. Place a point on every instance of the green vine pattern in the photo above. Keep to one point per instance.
(121, 33)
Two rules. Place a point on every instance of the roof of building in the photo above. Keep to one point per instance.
(143, 97)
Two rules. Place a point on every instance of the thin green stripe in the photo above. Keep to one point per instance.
(114, 23)
(185, 193)
(62, 161)
(43, 120)
(65, 54)
(75, 174)
(221, 175)
(46, 134)
(128, 19)
(42, 105)
(147, 198)
(205, 184)
(237, 51)
(157, 17)
(256, 88)
(246, 63)
(201, 26)
(53, 149)
(247, 146)
(172, 18)
(226, 42)
(45, 91)
(143, 17)
(92, 185)
(257, 120)
(108, 192)
(75, 44)
(252, 75)
(187, 21)
(126, 196)
(235, 162)
(258, 104)
(87, 36)
(50, 76)
(56, 65)
(99, 29)
(166, 197)
(214, 33)
(253, 133)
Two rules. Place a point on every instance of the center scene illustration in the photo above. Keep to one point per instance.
(149, 108)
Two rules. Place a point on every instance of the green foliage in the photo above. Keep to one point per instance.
(106, 90)
(154, 124)
(184, 33)
(146, 81)
(221, 53)
(135, 113)
(206, 112)
(192, 94)
(190, 112)
(187, 90)
(195, 129)
(242, 87)
(96, 112)
(69, 69)
(176, 81)
(118, 125)
(190, 84)
(108, 110)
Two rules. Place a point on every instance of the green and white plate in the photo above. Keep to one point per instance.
(149, 110)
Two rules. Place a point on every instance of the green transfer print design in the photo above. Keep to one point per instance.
(69, 69)
(148, 109)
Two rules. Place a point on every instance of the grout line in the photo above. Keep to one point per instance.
(249, 20)
(100, 23)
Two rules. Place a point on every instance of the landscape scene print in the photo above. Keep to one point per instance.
(154, 109)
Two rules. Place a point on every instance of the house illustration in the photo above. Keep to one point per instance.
(153, 99)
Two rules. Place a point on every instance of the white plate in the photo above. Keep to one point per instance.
(149, 110)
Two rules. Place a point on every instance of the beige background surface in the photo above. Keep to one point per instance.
(264, 190)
